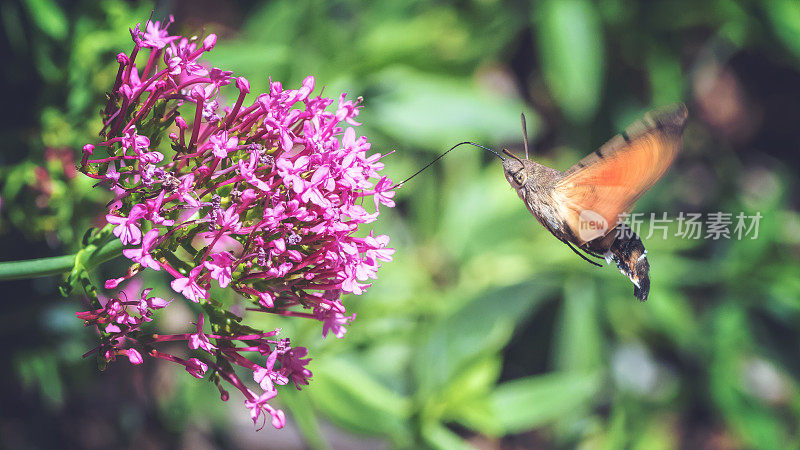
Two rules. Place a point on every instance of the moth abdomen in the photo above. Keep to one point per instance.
(627, 250)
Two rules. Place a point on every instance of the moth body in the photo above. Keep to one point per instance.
(581, 207)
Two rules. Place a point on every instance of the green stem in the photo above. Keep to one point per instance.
(43, 267)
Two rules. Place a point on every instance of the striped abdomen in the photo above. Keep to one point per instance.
(626, 249)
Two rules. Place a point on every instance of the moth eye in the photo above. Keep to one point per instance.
(519, 178)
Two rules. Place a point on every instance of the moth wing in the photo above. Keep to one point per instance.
(608, 181)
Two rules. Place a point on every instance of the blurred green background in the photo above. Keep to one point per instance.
(485, 331)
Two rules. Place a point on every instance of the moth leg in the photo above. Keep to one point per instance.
(581, 254)
(592, 253)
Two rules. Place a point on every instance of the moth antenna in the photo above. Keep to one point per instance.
(524, 134)
(505, 150)
(442, 155)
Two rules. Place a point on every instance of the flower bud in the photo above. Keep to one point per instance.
(134, 356)
(243, 85)
(209, 42)
(181, 122)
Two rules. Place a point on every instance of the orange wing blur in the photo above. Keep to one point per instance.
(611, 179)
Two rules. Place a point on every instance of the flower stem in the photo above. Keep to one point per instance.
(43, 267)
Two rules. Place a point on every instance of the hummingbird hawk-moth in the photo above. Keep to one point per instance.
(581, 207)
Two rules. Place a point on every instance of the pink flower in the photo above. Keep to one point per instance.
(267, 376)
(376, 247)
(221, 267)
(247, 169)
(319, 179)
(218, 76)
(157, 302)
(181, 59)
(333, 319)
(157, 37)
(147, 304)
(196, 367)
(199, 339)
(154, 210)
(266, 299)
(267, 197)
(189, 287)
(383, 193)
(290, 171)
(350, 281)
(303, 93)
(127, 229)
(137, 142)
(142, 254)
(111, 175)
(229, 220)
(186, 191)
(293, 365)
(221, 144)
(259, 405)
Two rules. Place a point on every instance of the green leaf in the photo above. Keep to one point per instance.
(302, 412)
(531, 402)
(755, 422)
(440, 437)
(659, 435)
(571, 47)
(578, 345)
(277, 22)
(437, 31)
(353, 399)
(17, 178)
(481, 326)
(666, 77)
(40, 369)
(49, 17)
(617, 434)
(446, 110)
(785, 18)
(466, 398)
(13, 26)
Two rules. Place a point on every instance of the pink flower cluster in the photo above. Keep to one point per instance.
(263, 198)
